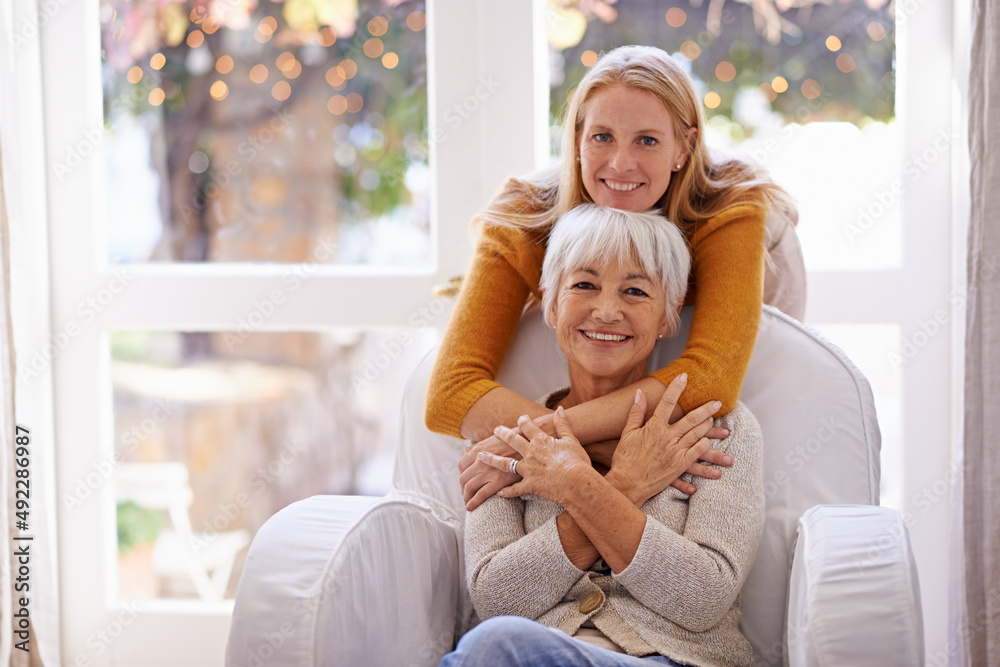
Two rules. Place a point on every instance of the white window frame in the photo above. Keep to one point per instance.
(485, 123)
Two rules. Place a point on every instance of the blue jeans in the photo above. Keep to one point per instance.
(512, 641)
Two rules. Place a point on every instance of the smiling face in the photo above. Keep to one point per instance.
(628, 149)
(607, 319)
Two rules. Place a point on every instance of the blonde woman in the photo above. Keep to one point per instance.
(633, 140)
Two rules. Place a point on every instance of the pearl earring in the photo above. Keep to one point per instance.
(678, 167)
(577, 158)
(660, 336)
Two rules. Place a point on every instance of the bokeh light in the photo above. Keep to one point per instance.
(725, 71)
(833, 43)
(195, 39)
(373, 47)
(281, 91)
(258, 73)
(224, 65)
(377, 26)
(845, 63)
(416, 21)
(219, 90)
(156, 97)
(690, 50)
(355, 103)
(134, 74)
(349, 67)
(337, 105)
(157, 61)
(811, 89)
(390, 60)
(335, 76)
(676, 17)
(876, 31)
(712, 100)
(779, 84)
(768, 91)
(327, 37)
(588, 58)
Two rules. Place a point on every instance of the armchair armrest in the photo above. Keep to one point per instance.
(854, 598)
(340, 580)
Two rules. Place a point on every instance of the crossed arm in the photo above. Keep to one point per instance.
(602, 518)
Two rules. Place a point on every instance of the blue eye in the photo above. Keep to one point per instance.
(602, 137)
(648, 141)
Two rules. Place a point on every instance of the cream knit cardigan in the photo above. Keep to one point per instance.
(679, 597)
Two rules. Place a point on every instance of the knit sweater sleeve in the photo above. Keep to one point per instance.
(510, 572)
(693, 578)
(506, 269)
(727, 258)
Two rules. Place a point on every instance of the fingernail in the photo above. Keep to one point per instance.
(728, 460)
(716, 405)
(715, 473)
(482, 456)
(561, 412)
(500, 493)
(638, 394)
(522, 419)
(683, 377)
(726, 431)
(499, 430)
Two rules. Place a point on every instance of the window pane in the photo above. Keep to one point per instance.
(807, 92)
(245, 131)
(215, 432)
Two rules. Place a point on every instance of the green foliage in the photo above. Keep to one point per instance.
(137, 525)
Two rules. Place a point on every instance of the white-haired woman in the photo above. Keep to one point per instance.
(572, 567)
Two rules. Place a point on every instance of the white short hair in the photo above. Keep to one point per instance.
(590, 234)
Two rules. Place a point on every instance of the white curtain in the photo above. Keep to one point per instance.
(981, 631)
(29, 610)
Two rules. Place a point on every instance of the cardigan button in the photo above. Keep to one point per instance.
(591, 602)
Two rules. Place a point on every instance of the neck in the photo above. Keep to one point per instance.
(584, 386)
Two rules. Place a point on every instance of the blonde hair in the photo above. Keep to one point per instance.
(701, 189)
(591, 234)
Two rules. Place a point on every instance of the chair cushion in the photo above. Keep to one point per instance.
(854, 564)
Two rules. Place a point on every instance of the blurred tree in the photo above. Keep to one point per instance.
(811, 59)
(183, 58)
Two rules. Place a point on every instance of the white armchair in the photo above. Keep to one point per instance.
(381, 581)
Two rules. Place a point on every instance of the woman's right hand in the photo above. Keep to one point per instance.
(479, 480)
(650, 457)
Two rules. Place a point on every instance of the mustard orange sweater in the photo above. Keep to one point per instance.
(726, 289)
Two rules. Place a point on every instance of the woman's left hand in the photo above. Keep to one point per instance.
(547, 463)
